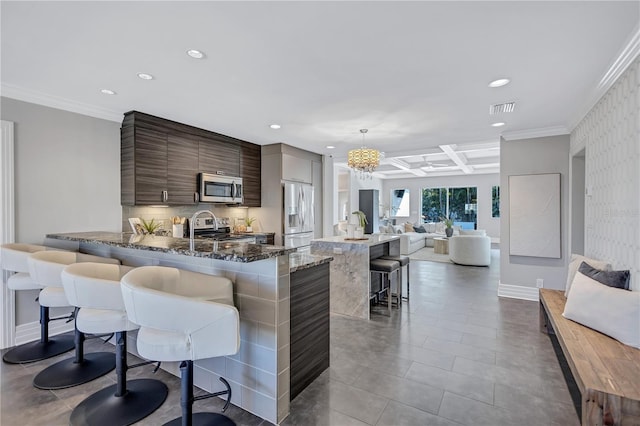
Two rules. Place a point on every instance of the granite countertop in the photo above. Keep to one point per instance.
(221, 250)
(368, 239)
(300, 261)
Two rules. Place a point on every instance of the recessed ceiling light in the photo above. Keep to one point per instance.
(331, 147)
(107, 92)
(195, 54)
(500, 82)
(145, 76)
(498, 124)
(275, 126)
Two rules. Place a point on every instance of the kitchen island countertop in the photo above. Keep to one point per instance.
(221, 250)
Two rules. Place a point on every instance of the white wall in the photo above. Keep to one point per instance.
(525, 157)
(67, 177)
(484, 183)
(610, 135)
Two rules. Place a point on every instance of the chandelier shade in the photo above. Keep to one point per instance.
(363, 160)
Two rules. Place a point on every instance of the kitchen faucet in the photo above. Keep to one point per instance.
(192, 243)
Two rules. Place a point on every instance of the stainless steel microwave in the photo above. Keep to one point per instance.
(220, 189)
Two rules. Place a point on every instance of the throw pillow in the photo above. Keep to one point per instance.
(617, 279)
(430, 227)
(440, 228)
(398, 229)
(611, 311)
(574, 264)
(408, 227)
(419, 229)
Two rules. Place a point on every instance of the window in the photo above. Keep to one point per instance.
(460, 204)
(400, 203)
(495, 201)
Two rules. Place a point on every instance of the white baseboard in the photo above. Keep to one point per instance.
(30, 332)
(518, 292)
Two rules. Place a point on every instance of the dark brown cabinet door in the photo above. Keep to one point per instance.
(182, 170)
(150, 166)
(250, 169)
(218, 157)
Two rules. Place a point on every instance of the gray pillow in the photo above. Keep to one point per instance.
(419, 229)
(617, 279)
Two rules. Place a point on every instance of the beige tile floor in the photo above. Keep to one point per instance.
(455, 354)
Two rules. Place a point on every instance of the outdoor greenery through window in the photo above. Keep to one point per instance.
(495, 201)
(460, 204)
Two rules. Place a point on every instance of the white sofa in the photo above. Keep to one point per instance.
(473, 250)
(413, 241)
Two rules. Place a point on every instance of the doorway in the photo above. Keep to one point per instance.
(578, 191)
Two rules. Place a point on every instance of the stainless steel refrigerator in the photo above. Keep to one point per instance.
(298, 215)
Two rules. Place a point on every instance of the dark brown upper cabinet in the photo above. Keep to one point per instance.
(218, 157)
(161, 159)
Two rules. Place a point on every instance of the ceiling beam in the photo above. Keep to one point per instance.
(404, 166)
(459, 159)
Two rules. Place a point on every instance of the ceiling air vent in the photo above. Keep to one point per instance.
(500, 108)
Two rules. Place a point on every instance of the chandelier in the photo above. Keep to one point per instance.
(364, 160)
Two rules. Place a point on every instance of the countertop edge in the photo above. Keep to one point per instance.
(91, 238)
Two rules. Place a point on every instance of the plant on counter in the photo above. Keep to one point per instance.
(249, 220)
(151, 226)
(362, 218)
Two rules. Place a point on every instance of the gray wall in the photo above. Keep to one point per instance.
(415, 185)
(524, 157)
(67, 177)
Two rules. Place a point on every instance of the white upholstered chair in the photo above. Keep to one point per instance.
(46, 268)
(95, 289)
(472, 250)
(183, 316)
(14, 259)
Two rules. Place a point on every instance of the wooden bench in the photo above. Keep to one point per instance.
(607, 373)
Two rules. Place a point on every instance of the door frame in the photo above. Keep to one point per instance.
(7, 229)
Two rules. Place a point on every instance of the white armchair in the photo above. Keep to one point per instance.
(473, 250)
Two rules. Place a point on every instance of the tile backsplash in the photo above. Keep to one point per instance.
(164, 214)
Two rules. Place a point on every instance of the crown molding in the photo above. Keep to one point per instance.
(535, 133)
(35, 97)
(625, 57)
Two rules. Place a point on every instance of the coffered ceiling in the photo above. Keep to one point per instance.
(415, 74)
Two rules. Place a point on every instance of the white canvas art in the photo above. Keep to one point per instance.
(534, 215)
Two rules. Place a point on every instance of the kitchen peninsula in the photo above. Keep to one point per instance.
(259, 374)
(349, 271)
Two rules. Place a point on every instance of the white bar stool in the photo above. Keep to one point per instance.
(95, 287)
(46, 268)
(14, 258)
(184, 316)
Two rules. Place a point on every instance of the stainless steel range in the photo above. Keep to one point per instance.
(204, 227)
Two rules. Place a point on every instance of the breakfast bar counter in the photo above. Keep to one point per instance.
(259, 374)
(349, 271)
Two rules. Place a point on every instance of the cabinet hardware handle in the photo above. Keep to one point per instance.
(165, 196)
(196, 197)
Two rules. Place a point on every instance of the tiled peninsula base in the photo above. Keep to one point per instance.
(259, 372)
(349, 270)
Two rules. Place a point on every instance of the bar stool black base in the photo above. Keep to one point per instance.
(103, 408)
(37, 351)
(68, 373)
(204, 419)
